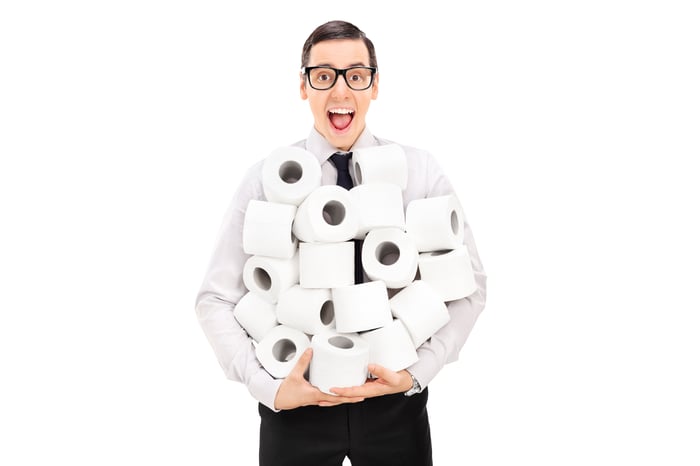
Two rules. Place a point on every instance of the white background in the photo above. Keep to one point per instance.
(569, 128)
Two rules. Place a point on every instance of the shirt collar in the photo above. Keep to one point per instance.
(322, 149)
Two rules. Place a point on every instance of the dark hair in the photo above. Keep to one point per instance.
(337, 30)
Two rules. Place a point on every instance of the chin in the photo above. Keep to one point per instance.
(341, 141)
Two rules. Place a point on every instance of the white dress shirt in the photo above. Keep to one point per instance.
(223, 286)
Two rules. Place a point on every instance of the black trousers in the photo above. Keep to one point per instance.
(386, 430)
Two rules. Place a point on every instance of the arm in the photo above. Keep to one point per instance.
(444, 346)
(221, 290)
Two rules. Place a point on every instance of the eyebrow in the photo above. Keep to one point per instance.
(328, 65)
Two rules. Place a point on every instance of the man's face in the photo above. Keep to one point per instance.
(339, 112)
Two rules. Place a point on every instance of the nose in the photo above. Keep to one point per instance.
(340, 89)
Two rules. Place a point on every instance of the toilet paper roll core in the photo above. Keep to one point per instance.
(269, 276)
(327, 215)
(289, 174)
(307, 309)
(390, 255)
(280, 349)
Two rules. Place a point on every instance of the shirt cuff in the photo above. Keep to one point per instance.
(424, 370)
(264, 388)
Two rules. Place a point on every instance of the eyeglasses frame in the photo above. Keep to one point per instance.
(340, 72)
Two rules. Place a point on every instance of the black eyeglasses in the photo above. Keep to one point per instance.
(322, 78)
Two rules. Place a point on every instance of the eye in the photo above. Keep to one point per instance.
(358, 75)
(322, 75)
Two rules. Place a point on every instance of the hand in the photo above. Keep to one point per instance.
(385, 383)
(296, 391)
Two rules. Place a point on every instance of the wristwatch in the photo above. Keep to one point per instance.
(415, 388)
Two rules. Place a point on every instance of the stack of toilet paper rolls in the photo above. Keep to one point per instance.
(300, 273)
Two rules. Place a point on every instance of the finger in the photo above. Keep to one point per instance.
(327, 404)
(382, 372)
(337, 400)
(326, 399)
(302, 364)
(346, 391)
(360, 391)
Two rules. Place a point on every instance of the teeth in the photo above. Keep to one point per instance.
(342, 111)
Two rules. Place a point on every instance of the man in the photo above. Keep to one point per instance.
(385, 420)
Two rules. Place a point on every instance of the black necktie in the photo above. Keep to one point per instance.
(341, 161)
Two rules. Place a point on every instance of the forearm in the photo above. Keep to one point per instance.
(220, 292)
(234, 349)
(445, 344)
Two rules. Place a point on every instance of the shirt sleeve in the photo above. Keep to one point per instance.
(221, 290)
(445, 345)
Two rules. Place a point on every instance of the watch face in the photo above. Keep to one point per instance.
(414, 389)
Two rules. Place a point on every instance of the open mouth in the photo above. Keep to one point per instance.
(340, 118)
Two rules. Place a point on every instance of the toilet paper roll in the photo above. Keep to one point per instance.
(339, 360)
(280, 349)
(450, 273)
(391, 346)
(435, 223)
(305, 309)
(421, 309)
(379, 205)
(269, 276)
(289, 174)
(327, 215)
(361, 307)
(380, 164)
(267, 229)
(326, 265)
(256, 315)
(390, 255)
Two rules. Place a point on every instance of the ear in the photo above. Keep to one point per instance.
(375, 86)
(302, 86)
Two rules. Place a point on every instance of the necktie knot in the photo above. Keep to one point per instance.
(341, 160)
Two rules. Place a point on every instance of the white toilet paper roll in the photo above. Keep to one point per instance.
(326, 265)
(390, 255)
(256, 315)
(391, 346)
(267, 229)
(269, 276)
(421, 310)
(361, 307)
(327, 215)
(379, 205)
(280, 349)
(289, 174)
(380, 164)
(450, 273)
(339, 360)
(305, 309)
(435, 223)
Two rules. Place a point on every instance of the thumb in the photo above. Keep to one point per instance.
(302, 364)
(383, 373)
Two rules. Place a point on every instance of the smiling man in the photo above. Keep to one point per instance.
(339, 79)
(385, 420)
